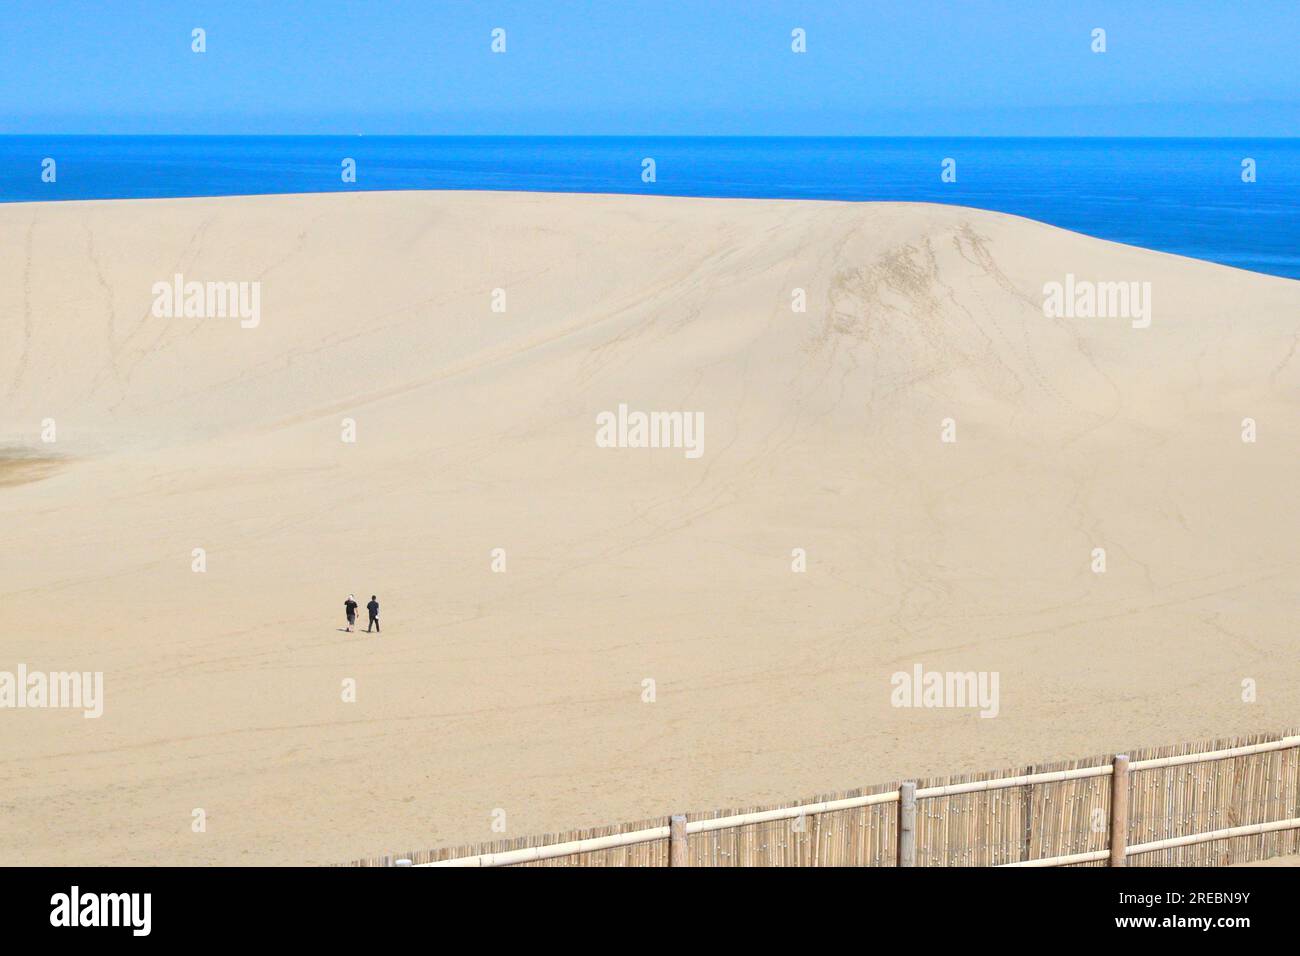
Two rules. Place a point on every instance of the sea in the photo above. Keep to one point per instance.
(1232, 201)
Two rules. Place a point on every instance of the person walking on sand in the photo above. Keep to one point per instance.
(373, 608)
(350, 606)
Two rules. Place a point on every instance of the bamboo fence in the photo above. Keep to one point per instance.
(996, 818)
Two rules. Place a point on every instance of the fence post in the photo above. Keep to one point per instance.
(1027, 815)
(907, 824)
(1119, 810)
(678, 849)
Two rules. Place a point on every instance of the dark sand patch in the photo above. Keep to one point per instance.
(18, 466)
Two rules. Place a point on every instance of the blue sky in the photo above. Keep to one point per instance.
(670, 67)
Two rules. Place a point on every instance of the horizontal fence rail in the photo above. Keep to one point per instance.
(554, 850)
(973, 821)
(1226, 834)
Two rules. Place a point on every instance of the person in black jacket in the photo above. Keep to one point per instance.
(373, 608)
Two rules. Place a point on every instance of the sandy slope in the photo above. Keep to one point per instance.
(522, 690)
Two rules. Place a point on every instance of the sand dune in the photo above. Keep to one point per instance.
(476, 430)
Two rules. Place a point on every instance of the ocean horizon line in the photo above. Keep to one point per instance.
(1229, 200)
